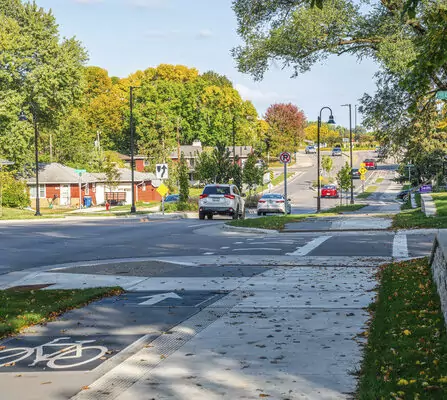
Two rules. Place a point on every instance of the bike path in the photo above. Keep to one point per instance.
(57, 360)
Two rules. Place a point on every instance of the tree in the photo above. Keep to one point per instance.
(183, 182)
(237, 174)
(344, 180)
(39, 73)
(112, 173)
(327, 163)
(252, 175)
(286, 123)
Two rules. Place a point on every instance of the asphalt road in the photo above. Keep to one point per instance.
(24, 246)
(304, 198)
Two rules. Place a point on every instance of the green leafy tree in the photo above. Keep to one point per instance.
(327, 163)
(344, 180)
(252, 175)
(112, 173)
(40, 74)
(183, 181)
(215, 166)
(13, 193)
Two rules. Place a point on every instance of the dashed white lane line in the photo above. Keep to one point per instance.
(224, 248)
(208, 254)
(307, 248)
(400, 246)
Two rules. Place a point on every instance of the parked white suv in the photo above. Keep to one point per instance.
(221, 200)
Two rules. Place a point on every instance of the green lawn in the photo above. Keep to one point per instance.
(410, 218)
(17, 213)
(368, 192)
(379, 180)
(22, 308)
(278, 222)
(406, 353)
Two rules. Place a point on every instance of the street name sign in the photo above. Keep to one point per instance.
(285, 157)
(80, 171)
(162, 190)
(441, 94)
(161, 171)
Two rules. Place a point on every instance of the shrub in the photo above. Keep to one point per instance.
(251, 201)
(14, 193)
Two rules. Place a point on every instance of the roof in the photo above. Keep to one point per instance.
(126, 176)
(59, 174)
(241, 151)
(188, 150)
(125, 157)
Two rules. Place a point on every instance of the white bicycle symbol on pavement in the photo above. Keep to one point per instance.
(59, 359)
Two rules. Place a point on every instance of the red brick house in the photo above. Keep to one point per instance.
(59, 185)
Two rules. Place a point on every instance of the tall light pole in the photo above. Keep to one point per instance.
(330, 121)
(350, 148)
(22, 117)
(234, 138)
(133, 209)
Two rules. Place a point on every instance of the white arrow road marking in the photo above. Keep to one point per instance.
(306, 249)
(156, 298)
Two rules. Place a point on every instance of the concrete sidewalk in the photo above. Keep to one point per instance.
(223, 331)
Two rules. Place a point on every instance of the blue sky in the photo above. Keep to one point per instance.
(123, 36)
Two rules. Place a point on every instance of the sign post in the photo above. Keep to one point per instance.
(80, 172)
(163, 191)
(285, 158)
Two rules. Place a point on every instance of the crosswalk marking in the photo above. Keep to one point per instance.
(400, 246)
(306, 249)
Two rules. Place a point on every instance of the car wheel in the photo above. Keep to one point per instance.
(243, 214)
(259, 214)
(235, 214)
(201, 216)
(264, 214)
(210, 216)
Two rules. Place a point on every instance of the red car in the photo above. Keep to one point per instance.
(370, 164)
(329, 191)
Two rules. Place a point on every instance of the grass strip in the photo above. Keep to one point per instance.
(406, 353)
(379, 180)
(415, 218)
(279, 222)
(22, 308)
(368, 192)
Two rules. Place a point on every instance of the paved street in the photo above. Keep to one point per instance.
(208, 312)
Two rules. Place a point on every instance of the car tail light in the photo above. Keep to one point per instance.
(261, 201)
(203, 196)
(229, 196)
(280, 201)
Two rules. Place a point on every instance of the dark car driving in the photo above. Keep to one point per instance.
(355, 173)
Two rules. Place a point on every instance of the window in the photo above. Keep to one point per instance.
(87, 189)
(32, 191)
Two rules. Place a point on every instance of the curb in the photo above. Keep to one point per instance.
(226, 227)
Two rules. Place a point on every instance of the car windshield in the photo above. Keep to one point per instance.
(272, 196)
(369, 160)
(336, 149)
(355, 170)
(310, 147)
(329, 187)
(216, 190)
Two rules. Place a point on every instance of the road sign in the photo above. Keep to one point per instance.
(363, 170)
(161, 171)
(162, 190)
(345, 140)
(441, 94)
(285, 157)
(362, 177)
(80, 171)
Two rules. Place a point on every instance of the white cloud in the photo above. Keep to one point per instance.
(204, 34)
(256, 94)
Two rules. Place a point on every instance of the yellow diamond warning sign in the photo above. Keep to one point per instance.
(162, 190)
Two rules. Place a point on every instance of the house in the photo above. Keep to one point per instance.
(242, 152)
(139, 161)
(62, 185)
(146, 185)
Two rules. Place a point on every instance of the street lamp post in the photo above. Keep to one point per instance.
(234, 138)
(133, 209)
(22, 117)
(330, 121)
(350, 148)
